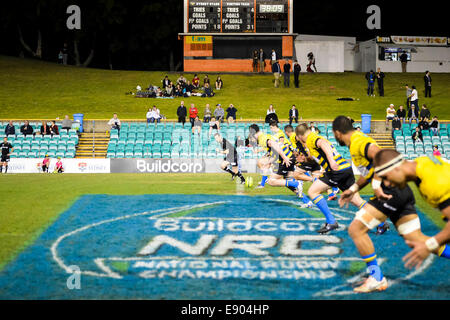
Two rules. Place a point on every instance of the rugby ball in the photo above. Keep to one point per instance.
(249, 182)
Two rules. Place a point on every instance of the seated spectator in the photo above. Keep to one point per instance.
(425, 113)
(10, 129)
(412, 114)
(59, 168)
(219, 113)
(313, 128)
(271, 110)
(189, 88)
(169, 90)
(401, 113)
(271, 115)
(66, 123)
(206, 80)
(114, 122)
(230, 120)
(178, 91)
(156, 114)
(208, 91)
(436, 151)
(219, 83)
(165, 82)
(396, 125)
(45, 129)
(417, 135)
(197, 127)
(424, 124)
(196, 81)
(54, 130)
(434, 126)
(181, 81)
(150, 116)
(207, 114)
(231, 112)
(390, 114)
(214, 124)
(293, 114)
(26, 129)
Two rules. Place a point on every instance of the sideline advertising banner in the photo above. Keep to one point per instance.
(17, 165)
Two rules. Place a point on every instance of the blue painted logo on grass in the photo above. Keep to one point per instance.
(208, 247)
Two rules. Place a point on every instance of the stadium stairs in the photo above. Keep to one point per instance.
(384, 140)
(92, 145)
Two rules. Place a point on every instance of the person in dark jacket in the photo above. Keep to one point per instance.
(396, 125)
(10, 129)
(287, 73)
(293, 115)
(45, 129)
(417, 135)
(26, 129)
(370, 77)
(297, 69)
(425, 112)
(427, 80)
(380, 82)
(255, 61)
(54, 130)
(276, 70)
(401, 114)
(231, 112)
(434, 126)
(424, 124)
(181, 113)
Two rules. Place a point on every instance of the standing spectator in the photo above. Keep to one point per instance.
(193, 112)
(219, 113)
(413, 114)
(424, 124)
(45, 129)
(54, 130)
(208, 91)
(66, 123)
(219, 83)
(427, 80)
(311, 62)
(404, 60)
(276, 70)
(231, 112)
(197, 126)
(436, 151)
(181, 113)
(65, 53)
(425, 112)
(293, 114)
(6, 149)
(434, 126)
(414, 97)
(370, 77)
(408, 94)
(273, 57)
(214, 124)
(26, 129)
(165, 82)
(196, 81)
(255, 61)
(380, 82)
(287, 73)
(271, 110)
(114, 122)
(10, 129)
(207, 114)
(417, 135)
(390, 114)
(60, 57)
(297, 69)
(401, 113)
(206, 81)
(262, 60)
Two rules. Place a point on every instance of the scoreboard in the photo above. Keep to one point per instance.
(238, 16)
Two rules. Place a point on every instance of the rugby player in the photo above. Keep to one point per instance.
(432, 176)
(338, 173)
(231, 163)
(7, 148)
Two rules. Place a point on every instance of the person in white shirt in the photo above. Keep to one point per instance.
(155, 116)
(149, 115)
(274, 56)
(390, 114)
(414, 97)
(114, 122)
(271, 110)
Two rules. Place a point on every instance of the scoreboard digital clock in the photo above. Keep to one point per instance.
(238, 16)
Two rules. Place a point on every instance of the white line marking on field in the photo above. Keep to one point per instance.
(233, 258)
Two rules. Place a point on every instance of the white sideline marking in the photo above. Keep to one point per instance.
(233, 258)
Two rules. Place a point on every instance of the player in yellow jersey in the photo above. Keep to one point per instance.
(338, 173)
(432, 176)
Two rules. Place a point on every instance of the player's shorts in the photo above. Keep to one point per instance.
(309, 166)
(401, 204)
(342, 179)
(232, 160)
(283, 170)
(4, 158)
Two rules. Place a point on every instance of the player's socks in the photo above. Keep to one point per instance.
(292, 183)
(321, 203)
(444, 251)
(306, 199)
(294, 190)
(307, 173)
(239, 174)
(229, 171)
(1, 169)
(372, 265)
(264, 180)
(6, 169)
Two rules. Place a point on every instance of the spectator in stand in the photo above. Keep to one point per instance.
(417, 135)
(255, 61)
(396, 125)
(214, 124)
(401, 113)
(231, 112)
(293, 114)
(276, 70)
(271, 115)
(207, 114)
(390, 114)
(181, 81)
(424, 124)
(54, 130)
(10, 129)
(271, 110)
(197, 127)
(26, 129)
(66, 123)
(404, 61)
(59, 166)
(219, 83)
(169, 90)
(219, 113)
(208, 91)
(165, 82)
(436, 151)
(178, 91)
(149, 116)
(114, 123)
(196, 81)
(45, 129)
(262, 60)
(414, 97)
(193, 113)
(287, 73)
(380, 82)
(408, 94)
(313, 128)
(413, 114)
(297, 69)
(206, 80)
(189, 88)
(370, 77)
(427, 80)
(182, 113)
(156, 114)
(425, 112)
(434, 126)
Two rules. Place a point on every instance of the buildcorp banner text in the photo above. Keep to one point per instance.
(158, 166)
